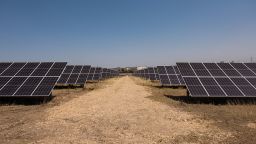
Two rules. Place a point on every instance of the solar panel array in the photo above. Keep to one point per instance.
(105, 73)
(156, 73)
(114, 73)
(148, 73)
(219, 79)
(97, 74)
(167, 75)
(139, 73)
(29, 78)
(170, 76)
(108, 73)
(74, 75)
(91, 74)
(152, 73)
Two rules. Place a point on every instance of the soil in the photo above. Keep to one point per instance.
(118, 110)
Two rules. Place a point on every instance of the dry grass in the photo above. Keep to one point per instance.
(65, 95)
(17, 121)
(237, 116)
(18, 117)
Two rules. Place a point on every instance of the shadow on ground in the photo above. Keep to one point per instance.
(214, 101)
(25, 100)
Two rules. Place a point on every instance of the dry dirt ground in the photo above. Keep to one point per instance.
(119, 110)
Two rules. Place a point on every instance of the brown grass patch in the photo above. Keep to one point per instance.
(238, 117)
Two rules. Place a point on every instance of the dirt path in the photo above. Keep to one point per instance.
(118, 113)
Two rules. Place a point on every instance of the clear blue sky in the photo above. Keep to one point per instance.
(127, 32)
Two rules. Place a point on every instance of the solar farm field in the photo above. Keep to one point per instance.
(126, 110)
(127, 71)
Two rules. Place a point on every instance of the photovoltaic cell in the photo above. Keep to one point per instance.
(82, 79)
(25, 90)
(161, 70)
(43, 90)
(40, 72)
(45, 65)
(69, 69)
(208, 81)
(196, 90)
(217, 72)
(63, 79)
(4, 65)
(202, 72)
(33, 81)
(214, 90)
(252, 81)
(25, 72)
(72, 79)
(170, 70)
(91, 74)
(164, 79)
(193, 81)
(185, 69)
(232, 90)
(59, 65)
(10, 72)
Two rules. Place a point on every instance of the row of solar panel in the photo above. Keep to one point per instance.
(217, 69)
(32, 69)
(167, 75)
(205, 86)
(78, 75)
(74, 74)
(148, 73)
(107, 73)
(39, 78)
(219, 79)
(211, 79)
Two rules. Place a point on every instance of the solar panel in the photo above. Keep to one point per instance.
(74, 75)
(90, 75)
(107, 73)
(169, 76)
(219, 79)
(97, 74)
(27, 79)
(151, 73)
(156, 73)
(146, 73)
(113, 73)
